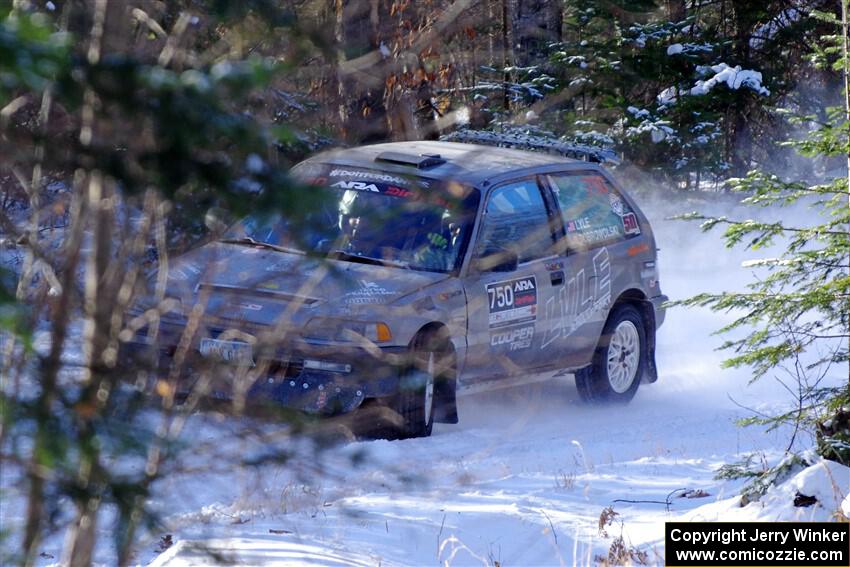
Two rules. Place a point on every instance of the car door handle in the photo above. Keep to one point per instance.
(557, 277)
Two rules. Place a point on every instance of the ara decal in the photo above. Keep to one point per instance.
(356, 185)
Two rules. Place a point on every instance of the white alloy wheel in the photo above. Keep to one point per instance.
(623, 356)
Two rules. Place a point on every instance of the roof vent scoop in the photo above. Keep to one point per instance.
(422, 161)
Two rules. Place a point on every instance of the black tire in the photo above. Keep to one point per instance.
(618, 381)
(431, 364)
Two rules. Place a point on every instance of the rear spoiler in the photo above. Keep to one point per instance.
(534, 143)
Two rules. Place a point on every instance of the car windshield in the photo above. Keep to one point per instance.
(369, 216)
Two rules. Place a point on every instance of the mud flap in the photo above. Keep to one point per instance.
(650, 373)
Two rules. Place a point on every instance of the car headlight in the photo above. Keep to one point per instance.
(330, 329)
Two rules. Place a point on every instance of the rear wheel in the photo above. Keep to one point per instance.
(619, 360)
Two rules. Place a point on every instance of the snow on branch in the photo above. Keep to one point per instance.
(733, 77)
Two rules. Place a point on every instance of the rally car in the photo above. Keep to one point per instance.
(420, 270)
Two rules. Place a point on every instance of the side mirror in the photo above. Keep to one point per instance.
(215, 221)
(497, 260)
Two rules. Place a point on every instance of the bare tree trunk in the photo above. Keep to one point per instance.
(80, 542)
(361, 106)
(506, 49)
(35, 511)
(491, 41)
(676, 10)
(534, 25)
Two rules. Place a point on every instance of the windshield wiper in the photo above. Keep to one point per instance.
(248, 241)
(338, 254)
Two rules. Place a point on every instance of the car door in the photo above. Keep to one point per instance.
(508, 281)
(598, 226)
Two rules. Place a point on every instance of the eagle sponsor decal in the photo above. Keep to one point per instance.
(369, 292)
(617, 204)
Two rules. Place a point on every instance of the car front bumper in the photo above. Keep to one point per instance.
(296, 377)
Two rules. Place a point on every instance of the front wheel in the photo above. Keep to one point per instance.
(425, 384)
(415, 402)
(619, 360)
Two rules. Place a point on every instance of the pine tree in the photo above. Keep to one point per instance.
(139, 127)
(798, 314)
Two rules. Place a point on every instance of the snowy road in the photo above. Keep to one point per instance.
(522, 482)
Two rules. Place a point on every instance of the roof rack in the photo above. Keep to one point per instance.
(534, 143)
(422, 161)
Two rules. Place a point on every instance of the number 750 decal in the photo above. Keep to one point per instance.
(512, 302)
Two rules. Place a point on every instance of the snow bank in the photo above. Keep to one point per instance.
(827, 481)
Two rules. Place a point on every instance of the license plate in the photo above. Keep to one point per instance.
(232, 352)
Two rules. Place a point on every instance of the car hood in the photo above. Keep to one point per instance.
(253, 284)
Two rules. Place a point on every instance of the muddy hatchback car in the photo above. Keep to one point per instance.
(425, 269)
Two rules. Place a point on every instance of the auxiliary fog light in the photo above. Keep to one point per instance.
(327, 366)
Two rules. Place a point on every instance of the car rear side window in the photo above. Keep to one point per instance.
(594, 212)
(516, 219)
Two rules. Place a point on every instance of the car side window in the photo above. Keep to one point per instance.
(516, 219)
(594, 212)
